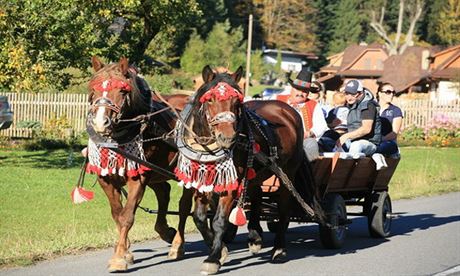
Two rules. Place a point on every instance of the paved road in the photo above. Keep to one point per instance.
(425, 241)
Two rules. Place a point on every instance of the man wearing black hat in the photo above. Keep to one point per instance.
(363, 121)
(314, 123)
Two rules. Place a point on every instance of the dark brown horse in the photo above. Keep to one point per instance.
(116, 101)
(218, 113)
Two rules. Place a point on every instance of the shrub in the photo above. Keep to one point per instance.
(441, 131)
(56, 133)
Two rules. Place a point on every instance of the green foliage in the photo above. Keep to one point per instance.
(56, 133)
(166, 82)
(347, 25)
(223, 47)
(258, 67)
(448, 28)
(40, 38)
(193, 59)
(442, 131)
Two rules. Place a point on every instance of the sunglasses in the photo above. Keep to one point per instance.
(388, 92)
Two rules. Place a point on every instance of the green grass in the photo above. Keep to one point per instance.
(38, 220)
(426, 171)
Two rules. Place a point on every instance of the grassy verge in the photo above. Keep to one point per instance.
(38, 220)
(426, 171)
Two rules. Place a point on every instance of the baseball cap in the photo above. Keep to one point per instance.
(353, 87)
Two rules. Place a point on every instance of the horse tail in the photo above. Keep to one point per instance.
(308, 188)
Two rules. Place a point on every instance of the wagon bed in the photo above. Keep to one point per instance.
(340, 183)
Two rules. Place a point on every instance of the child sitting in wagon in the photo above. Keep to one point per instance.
(336, 121)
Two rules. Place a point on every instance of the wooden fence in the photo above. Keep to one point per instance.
(421, 112)
(43, 107)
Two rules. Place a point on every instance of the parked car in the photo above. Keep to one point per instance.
(6, 115)
(269, 93)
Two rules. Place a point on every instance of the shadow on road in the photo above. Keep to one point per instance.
(303, 242)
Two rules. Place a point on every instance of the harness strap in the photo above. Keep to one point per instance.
(264, 130)
(285, 180)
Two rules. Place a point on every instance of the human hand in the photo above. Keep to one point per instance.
(342, 140)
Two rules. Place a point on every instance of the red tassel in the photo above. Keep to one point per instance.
(256, 148)
(251, 174)
(80, 195)
(237, 216)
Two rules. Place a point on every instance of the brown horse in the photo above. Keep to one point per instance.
(218, 113)
(116, 101)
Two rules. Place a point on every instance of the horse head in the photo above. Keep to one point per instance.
(221, 99)
(113, 96)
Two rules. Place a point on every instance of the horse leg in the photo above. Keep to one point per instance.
(185, 204)
(255, 230)
(119, 261)
(114, 196)
(219, 251)
(162, 191)
(200, 217)
(279, 253)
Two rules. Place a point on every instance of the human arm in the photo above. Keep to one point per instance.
(396, 125)
(367, 122)
(366, 128)
(319, 123)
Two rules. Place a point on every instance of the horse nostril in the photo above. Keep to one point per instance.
(106, 121)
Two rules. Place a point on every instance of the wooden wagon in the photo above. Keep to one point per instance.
(340, 183)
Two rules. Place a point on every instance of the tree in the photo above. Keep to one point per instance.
(223, 47)
(286, 24)
(448, 28)
(346, 25)
(413, 13)
(57, 34)
(324, 17)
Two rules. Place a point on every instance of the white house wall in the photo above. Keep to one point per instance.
(448, 90)
(287, 64)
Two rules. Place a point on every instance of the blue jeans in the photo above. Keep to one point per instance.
(388, 147)
(361, 146)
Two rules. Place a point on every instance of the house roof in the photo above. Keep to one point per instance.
(349, 57)
(353, 53)
(444, 71)
(405, 70)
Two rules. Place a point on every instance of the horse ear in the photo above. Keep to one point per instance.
(96, 63)
(123, 63)
(237, 75)
(207, 74)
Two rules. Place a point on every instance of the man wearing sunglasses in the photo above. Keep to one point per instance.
(363, 121)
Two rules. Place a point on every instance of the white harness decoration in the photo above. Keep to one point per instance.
(215, 176)
(103, 161)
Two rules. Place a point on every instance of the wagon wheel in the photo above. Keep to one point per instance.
(379, 216)
(230, 233)
(333, 236)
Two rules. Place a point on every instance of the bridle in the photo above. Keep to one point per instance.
(222, 91)
(104, 101)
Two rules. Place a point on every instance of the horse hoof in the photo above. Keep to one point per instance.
(279, 255)
(118, 264)
(254, 248)
(176, 253)
(129, 258)
(209, 268)
(167, 235)
(223, 255)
